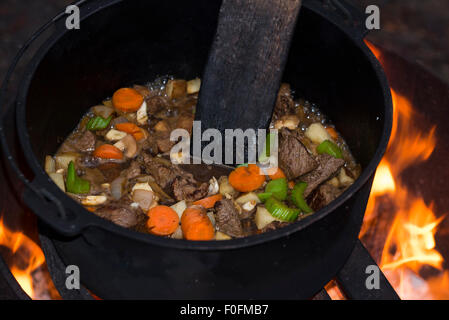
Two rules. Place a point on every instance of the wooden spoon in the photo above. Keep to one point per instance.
(246, 62)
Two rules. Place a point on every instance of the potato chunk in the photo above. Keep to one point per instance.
(317, 133)
(193, 86)
(176, 89)
(63, 159)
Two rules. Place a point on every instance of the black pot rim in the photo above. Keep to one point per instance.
(94, 221)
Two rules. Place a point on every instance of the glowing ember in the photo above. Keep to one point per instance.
(27, 256)
(410, 244)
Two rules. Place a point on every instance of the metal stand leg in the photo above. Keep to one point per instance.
(353, 277)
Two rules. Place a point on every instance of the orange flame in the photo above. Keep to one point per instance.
(410, 243)
(27, 256)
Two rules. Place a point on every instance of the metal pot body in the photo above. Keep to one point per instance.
(294, 266)
(121, 43)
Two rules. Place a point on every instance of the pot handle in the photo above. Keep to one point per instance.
(341, 13)
(40, 200)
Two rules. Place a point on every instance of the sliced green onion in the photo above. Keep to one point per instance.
(242, 165)
(264, 196)
(330, 148)
(75, 184)
(278, 188)
(98, 123)
(266, 150)
(280, 210)
(298, 197)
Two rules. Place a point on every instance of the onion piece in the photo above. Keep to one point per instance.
(94, 200)
(141, 114)
(117, 187)
(214, 188)
(142, 186)
(211, 217)
(263, 218)
(179, 207)
(144, 198)
(247, 197)
(50, 164)
(102, 111)
(225, 187)
(177, 234)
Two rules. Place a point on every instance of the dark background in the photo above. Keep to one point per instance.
(415, 29)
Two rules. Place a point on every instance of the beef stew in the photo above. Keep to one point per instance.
(116, 164)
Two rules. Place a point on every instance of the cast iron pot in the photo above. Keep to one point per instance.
(125, 42)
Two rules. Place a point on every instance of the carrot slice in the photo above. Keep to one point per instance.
(278, 174)
(208, 202)
(333, 133)
(196, 225)
(139, 135)
(132, 129)
(162, 220)
(107, 151)
(127, 100)
(246, 179)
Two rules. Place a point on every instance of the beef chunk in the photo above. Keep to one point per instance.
(85, 142)
(174, 180)
(322, 196)
(284, 103)
(143, 90)
(120, 213)
(227, 218)
(163, 171)
(164, 144)
(81, 141)
(328, 166)
(188, 189)
(95, 177)
(294, 159)
(156, 103)
(185, 122)
(133, 170)
(111, 170)
(150, 145)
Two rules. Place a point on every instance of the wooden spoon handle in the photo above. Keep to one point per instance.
(246, 63)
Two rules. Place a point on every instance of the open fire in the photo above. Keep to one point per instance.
(25, 257)
(409, 256)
